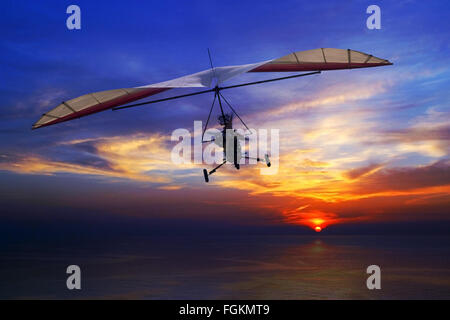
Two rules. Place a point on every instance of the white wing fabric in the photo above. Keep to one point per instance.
(311, 60)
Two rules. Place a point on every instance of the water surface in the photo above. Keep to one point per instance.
(231, 267)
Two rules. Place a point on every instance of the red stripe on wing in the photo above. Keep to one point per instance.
(292, 67)
(142, 93)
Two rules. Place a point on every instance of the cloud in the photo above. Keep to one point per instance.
(404, 179)
(343, 160)
(335, 167)
(363, 171)
(303, 195)
(334, 95)
(414, 134)
(428, 135)
(318, 164)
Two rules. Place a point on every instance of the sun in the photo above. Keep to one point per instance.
(318, 229)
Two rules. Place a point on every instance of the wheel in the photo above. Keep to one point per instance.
(266, 157)
(235, 153)
(205, 174)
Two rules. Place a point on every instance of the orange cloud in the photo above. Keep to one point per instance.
(363, 171)
(144, 158)
(336, 166)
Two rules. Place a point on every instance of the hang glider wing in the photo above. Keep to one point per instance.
(103, 100)
(311, 60)
(322, 59)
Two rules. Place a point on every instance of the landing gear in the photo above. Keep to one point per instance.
(206, 174)
(225, 120)
(236, 164)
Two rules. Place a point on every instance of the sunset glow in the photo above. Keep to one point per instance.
(112, 189)
(356, 146)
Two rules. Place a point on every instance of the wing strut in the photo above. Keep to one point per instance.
(209, 116)
(234, 111)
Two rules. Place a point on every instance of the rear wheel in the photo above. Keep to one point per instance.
(235, 152)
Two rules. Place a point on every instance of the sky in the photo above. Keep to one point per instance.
(357, 147)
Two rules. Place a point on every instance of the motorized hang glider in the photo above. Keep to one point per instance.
(315, 60)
